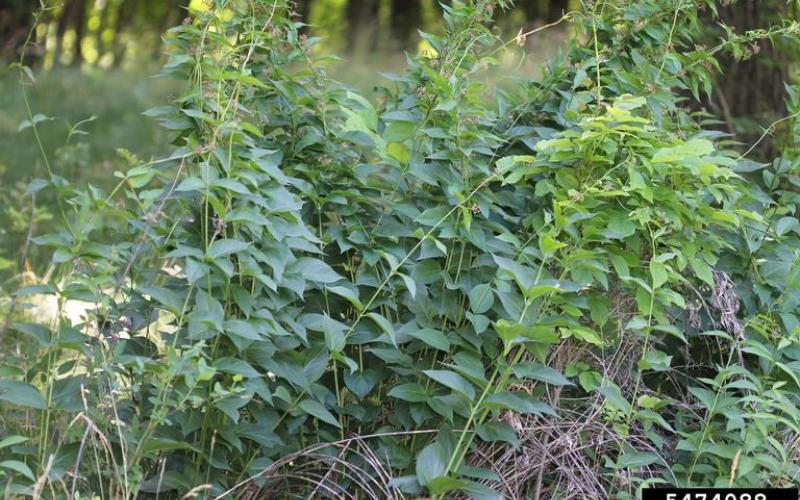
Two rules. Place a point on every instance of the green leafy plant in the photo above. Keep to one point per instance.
(319, 295)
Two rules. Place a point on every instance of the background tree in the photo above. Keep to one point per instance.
(15, 19)
(752, 91)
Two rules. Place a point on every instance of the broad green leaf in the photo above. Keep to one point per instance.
(540, 372)
(785, 224)
(583, 333)
(507, 163)
(410, 284)
(703, 271)
(694, 147)
(221, 248)
(433, 338)
(548, 245)
(409, 392)
(38, 332)
(12, 440)
(19, 467)
(384, 325)
(316, 409)
(334, 334)
(658, 272)
(445, 484)
(165, 297)
(431, 463)
(236, 367)
(481, 298)
(241, 328)
(230, 405)
(361, 383)
(655, 360)
(348, 294)
(515, 333)
(452, 380)
(166, 444)
(495, 430)
(479, 491)
(523, 275)
(399, 131)
(708, 398)
(519, 402)
(315, 270)
(21, 394)
(614, 397)
(637, 459)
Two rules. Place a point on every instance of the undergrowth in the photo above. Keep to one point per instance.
(572, 287)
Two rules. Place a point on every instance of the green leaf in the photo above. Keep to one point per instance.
(708, 398)
(12, 440)
(619, 228)
(548, 245)
(583, 333)
(694, 147)
(166, 444)
(507, 163)
(348, 294)
(241, 328)
(478, 491)
(627, 102)
(410, 284)
(481, 298)
(317, 410)
(433, 338)
(412, 392)
(523, 275)
(361, 383)
(703, 271)
(398, 131)
(37, 118)
(519, 402)
(637, 459)
(40, 333)
(384, 325)
(658, 272)
(655, 360)
(785, 224)
(315, 270)
(452, 380)
(334, 332)
(19, 467)
(515, 333)
(21, 394)
(540, 372)
(236, 367)
(495, 430)
(445, 484)
(431, 463)
(165, 297)
(221, 248)
(614, 397)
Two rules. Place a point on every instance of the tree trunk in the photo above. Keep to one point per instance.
(79, 25)
(16, 17)
(303, 10)
(556, 9)
(752, 88)
(532, 9)
(406, 19)
(125, 13)
(362, 19)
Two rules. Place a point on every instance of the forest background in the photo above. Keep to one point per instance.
(96, 61)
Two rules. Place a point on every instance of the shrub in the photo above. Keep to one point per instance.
(563, 289)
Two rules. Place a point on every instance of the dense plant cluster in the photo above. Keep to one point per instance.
(566, 287)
